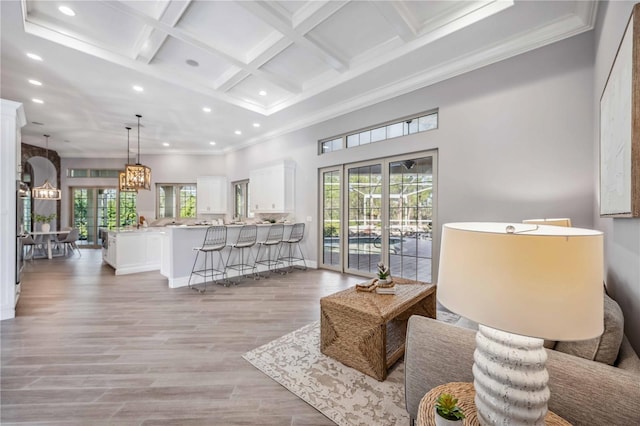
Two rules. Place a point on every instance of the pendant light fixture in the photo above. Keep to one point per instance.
(122, 176)
(46, 191)
(138, 176)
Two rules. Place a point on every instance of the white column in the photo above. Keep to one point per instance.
(13, 119)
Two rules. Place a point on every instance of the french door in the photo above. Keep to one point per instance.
(381, 210)
(95, 209)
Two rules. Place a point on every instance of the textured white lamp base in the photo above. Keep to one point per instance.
(510, 378)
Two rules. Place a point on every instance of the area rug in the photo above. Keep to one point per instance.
(344, 395)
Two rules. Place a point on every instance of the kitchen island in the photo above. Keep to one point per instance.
(178, 252)
(130, 251)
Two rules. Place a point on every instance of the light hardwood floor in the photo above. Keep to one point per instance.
(90, 348)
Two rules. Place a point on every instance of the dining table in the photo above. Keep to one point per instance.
(41, 236)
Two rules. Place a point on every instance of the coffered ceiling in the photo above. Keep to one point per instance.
(241, 72)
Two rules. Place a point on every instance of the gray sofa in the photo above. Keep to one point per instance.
(583, 391)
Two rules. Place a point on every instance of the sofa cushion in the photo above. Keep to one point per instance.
(604, 348)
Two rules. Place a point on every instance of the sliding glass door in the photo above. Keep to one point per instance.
(331, 195)
(410, 217)
(386, 214)
(364, 218)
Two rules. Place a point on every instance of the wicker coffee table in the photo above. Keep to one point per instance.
(366, 331)
(465, 394)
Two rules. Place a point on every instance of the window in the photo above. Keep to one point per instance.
(176, 200)
(406, 126)
(330, 145)
(92, 173)
(241, 199)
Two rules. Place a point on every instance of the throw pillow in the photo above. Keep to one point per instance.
(604, 348)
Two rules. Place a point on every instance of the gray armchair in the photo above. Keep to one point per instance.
(584, 392)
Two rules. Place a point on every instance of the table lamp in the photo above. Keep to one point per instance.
(522, 283)
(561, 221)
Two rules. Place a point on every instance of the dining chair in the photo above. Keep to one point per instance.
(69, 242)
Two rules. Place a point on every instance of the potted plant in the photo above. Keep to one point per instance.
(383, 273)
(447, 410)
(44, 220)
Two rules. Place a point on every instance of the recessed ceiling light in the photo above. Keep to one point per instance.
(38, 101)
(192, 62)
(262, 93)
(35, 82)
(206, 109)
(238, 132)
(67, 10)
(34, 56)
(256, 124)
(165, 144)
(212, 143)
(138, 88)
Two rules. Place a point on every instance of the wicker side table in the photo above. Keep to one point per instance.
(366, 331)
(465, 394)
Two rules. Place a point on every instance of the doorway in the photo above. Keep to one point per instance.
(384, 211)
(95, 209)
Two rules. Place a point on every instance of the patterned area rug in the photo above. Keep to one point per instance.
(343, 394)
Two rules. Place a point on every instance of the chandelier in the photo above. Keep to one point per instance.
(122, 176)
(46, 191)
(137, 176)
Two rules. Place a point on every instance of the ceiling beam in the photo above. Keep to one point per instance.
(185, 37)
(399, 17)
(272, 17)
(155, 39)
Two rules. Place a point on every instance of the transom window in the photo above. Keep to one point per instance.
(92, 173)
(406, 126)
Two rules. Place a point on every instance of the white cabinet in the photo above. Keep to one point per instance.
(272, 189)
(134, 251)
(212, 194)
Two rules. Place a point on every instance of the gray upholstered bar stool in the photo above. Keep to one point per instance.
(269, 250)
(214, 241)
(245, 242)
(293, 245)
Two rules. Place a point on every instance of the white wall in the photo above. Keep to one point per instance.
(12, 119)
(622, 236)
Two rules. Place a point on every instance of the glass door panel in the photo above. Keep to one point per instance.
(410, 218)
(364, 200)
(82, 219)
(331, 195)
(101, 208)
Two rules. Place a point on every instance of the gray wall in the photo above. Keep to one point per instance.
(622, 236)
(514, 141)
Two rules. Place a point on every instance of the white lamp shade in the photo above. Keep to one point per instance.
(560, 221)
(539, 281)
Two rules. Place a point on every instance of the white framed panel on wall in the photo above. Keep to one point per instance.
(620, 128)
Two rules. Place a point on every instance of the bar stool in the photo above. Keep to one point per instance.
(273, 241)
(293, 242)
(246, 240)
(214, 241)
